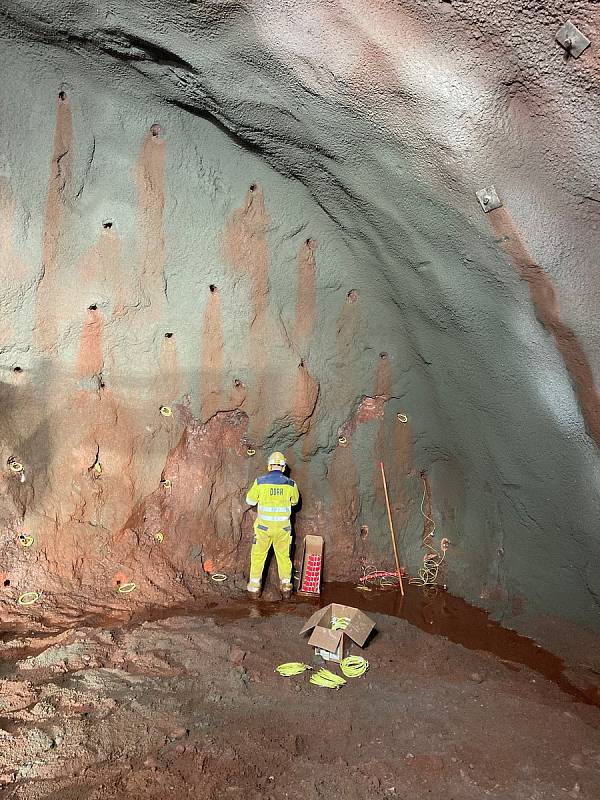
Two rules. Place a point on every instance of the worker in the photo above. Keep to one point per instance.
(274, 494)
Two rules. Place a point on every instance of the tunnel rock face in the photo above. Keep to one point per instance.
(261, 218)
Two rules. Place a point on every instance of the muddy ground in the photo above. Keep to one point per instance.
(189, 707)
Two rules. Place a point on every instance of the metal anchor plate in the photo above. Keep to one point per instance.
(572, 39)
(488, 199)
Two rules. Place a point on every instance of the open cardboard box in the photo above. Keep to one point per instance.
(333, 645)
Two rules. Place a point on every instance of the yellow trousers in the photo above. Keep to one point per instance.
(279, 535)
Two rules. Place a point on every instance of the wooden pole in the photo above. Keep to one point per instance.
(393, 535)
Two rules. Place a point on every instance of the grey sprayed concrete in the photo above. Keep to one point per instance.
(367, 129)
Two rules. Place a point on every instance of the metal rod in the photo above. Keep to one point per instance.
(393, 535)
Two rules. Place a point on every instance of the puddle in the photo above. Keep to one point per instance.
(441, 614)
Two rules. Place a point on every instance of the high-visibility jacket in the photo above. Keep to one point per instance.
(274, 494)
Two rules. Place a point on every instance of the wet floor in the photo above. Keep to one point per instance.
(434, 611)
(439, 613)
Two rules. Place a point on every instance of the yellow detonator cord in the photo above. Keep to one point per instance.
(354, 666)
(291, 668)
(327, 679)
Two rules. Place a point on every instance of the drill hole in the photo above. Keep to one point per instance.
(252, 187)
(383, 356)
(168, 335)
(107, 225)
(62, 95)
(352, 296)
(364, 532)
(7, 582)
(155, 129)
(238, 384)
(93, 307)
(212, 288)
(17, 369)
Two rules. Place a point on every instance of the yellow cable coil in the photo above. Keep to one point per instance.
(339, 623)
(327, 679)
(432, 560)
(292, 668)
(28, 598)
(354, 666)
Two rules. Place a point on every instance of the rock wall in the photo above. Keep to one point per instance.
(262, 216)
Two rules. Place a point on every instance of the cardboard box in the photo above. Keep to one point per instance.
(311, 566)
(333, 645)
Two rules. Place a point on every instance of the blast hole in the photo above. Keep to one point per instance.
(107, 225)
(238, 384)
(252, 187)
(301, 365)
(62, 95)
(383, 356)
(168, 335)
(17, 369)
(118, 583)
(155, 129)
(352, 296)
(7, 582)
(364, 531)
(93, 307)
(212, 288)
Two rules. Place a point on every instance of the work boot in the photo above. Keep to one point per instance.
(286, 590)
(253, 588)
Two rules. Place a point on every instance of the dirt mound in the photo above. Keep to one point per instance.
(191, 707)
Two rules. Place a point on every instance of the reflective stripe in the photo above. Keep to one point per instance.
(273, 519)
(255, 581)
(250, 502)
(275, 509)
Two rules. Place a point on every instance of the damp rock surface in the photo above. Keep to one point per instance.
(232, 228)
